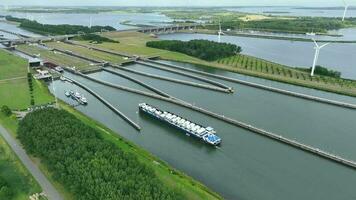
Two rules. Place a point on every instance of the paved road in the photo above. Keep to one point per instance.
(47, 187)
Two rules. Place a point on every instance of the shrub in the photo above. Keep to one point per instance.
(6, 110)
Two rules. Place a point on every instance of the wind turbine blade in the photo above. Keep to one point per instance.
(324, 45)
(316, 44)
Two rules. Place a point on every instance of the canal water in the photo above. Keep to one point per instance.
(336, 56)
(247, 165)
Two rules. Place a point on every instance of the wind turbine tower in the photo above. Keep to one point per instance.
(220, 33)
(90, 22)
(316, 56)
(345, 11)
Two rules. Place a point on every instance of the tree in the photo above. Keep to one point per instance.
(6, 110)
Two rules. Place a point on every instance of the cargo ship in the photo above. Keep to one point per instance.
(205, 134)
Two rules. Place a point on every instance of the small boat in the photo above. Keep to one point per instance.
(67, 94)
(62, 78)
(77, 95)
(83, 100)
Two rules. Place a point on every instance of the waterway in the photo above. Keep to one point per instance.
(246, 166)
(102, 19)
(337, 56)
(295, 11)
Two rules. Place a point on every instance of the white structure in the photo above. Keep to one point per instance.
(220, 33)
(90, 21)
(316, 56)
(345, 11)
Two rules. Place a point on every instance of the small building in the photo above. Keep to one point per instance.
(34, 62)
(50, 65)
(42, 74)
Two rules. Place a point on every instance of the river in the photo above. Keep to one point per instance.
(246, 166)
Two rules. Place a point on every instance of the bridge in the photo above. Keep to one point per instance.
(11, 42)
(168, 29)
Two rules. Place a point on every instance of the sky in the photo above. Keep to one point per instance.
(321, 3)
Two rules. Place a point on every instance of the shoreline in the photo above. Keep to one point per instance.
(294, 39)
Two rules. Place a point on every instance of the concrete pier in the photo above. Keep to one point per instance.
(111, 107)
(263, 87)
(157, 91)
(292, 143)
(187, 75)
(218, 89)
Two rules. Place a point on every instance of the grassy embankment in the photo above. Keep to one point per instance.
(97, 55)
(14, 92)
(56, 57)
(19, 180)
(171, 177)
(134, 43)
(14, 89)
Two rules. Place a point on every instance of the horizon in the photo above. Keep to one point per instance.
(178, 3)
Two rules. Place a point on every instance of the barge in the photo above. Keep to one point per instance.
(205, 134)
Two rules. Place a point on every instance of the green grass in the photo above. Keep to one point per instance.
(275, 71)
(16, 95)
(134, 43)
(11, 169)
(58, 58)
(11, 66)
(97, 55)
(192, 189)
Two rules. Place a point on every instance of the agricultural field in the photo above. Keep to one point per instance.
(55, 57)
(97, 55)
(281, 72)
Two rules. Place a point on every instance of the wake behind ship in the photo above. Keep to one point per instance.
(206, 134)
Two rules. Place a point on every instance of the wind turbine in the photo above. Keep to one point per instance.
(220, 33)
(346, 7)
(90, 22)
(316, 56)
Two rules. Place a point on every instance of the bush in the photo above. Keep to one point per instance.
(6, 110)
(203, 49)
(5, 190)
(326, 72)
(90, 167)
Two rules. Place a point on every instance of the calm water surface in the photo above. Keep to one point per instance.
(246, 166)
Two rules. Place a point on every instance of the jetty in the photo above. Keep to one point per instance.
(198, 85)
(187, 75)
(105, 102)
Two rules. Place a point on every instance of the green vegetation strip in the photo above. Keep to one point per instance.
(15, 181)
(203, 49)
(88, 165)
(64, 29)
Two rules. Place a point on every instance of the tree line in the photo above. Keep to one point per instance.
(300, 24)
(61, 29)
(94, 38)
(203, 49)
(88, 166)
